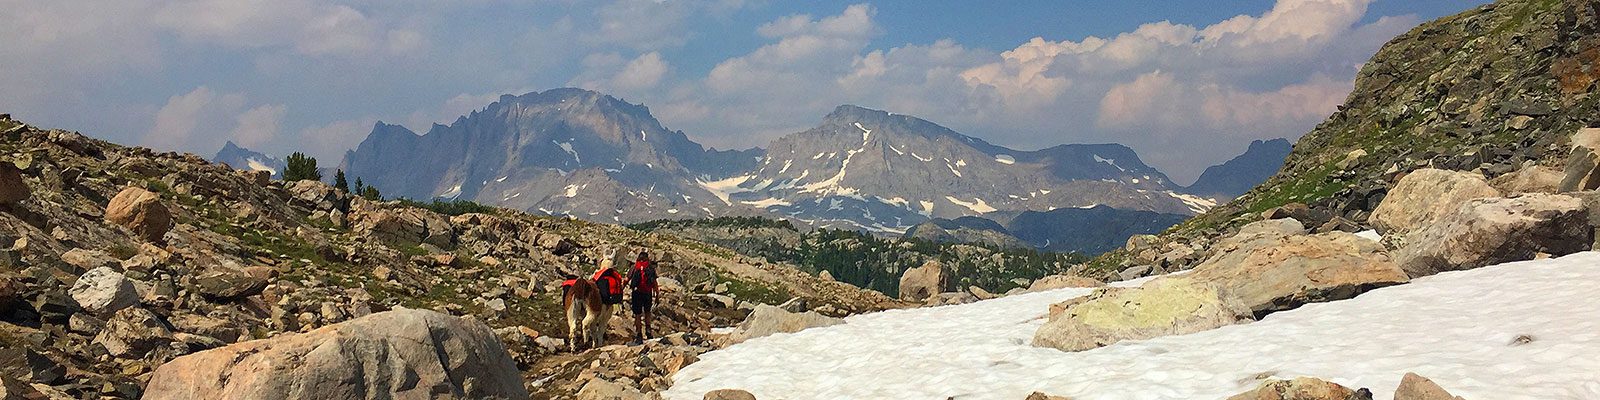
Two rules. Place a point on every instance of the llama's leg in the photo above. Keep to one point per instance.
(592, 331)
(572, 326)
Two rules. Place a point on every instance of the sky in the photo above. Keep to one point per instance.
(1187, 84)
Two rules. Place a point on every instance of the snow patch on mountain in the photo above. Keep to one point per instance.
(977, 205)
(1196, 203)
(724, 188)
(567, 146)
(257, 165)
(1005, 159)
(1112, 162)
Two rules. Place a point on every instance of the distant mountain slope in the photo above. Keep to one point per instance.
(1236, 176)
(562, 151)
(1091, 231)
(246, 159)
(884, 172)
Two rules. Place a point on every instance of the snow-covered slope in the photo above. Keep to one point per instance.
(1458, 328)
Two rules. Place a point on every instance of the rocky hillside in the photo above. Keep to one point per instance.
(1238, 175)
(1515, 83)
(115, 260)
(561, 152)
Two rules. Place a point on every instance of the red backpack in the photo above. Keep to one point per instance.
(610, 284)
(644, 277)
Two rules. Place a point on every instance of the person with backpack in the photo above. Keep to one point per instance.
(642, 279)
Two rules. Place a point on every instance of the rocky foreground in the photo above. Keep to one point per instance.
(127, 273)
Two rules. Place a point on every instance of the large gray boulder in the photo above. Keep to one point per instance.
(1161, 307)
(134, 332)
(102, 291)
(394, 354)
(1273, 274)
(1424, 195)
(767, 320)
(920, 283)
(403, 225)
(1497, 230)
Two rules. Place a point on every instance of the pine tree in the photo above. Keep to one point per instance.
(339, 182)
(360, 187)
(371, 193)
(301, 168)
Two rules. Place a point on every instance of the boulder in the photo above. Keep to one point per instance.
(1267, 230)
(26, 364)
(12, 188)
(1415, 387)
(402, 353)
(1298, 211)
(223, 283)
(1135, 272)
(1497, 230)
(1269, 275)
(920, 283)
(314, 195)
(979, 293)
(1042, 396)
(1063, 281)
(766, 320)
(1583, 162)
(1424, 195)
(89, 259)
(102, 291)
(729, 394)
(601, 389)
(557, 244)
(1137, 243)
(140, 211)
(405, 225)
(133, 332)
(1302, 388)
(1530, 179)
(1165, 306)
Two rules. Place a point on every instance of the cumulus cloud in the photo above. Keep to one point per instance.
(194, 120)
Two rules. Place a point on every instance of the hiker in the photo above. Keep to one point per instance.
(642, 279)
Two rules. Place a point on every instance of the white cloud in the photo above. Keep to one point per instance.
(310, 27)
(642, 73)
(259, 125)
(194, 121)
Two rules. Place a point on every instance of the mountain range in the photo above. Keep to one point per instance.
(592, 156)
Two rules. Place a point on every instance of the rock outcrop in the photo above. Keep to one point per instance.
(1495, 230)
(729, 394)
(1063, 281)
(1302, 388)
(1161, 307)
(12, 188)
(403, 353)
(766, 320)
(140, 211)
(1269, 275)
(1425, 195)
(103, 292)
(1415, 387)
(918, 284)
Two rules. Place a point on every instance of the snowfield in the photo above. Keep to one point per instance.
(1460, 329)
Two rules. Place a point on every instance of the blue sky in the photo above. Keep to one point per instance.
(1186, 83)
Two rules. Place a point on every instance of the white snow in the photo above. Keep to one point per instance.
(1113, 163)
(977, 205)
(914, 155)
(819, 155)
(724, 188)
(571, 191)
(764, 203)
(1196, 203)
(896, 150)
(502, 179)
(257, 165)
(452, 193)
(1457, 328)
(786, 164)
(927, 207)
(567, 146)
(865, 133)
(1370, 234)
(1005, 159)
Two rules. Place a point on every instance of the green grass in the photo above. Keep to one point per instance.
(452, 207)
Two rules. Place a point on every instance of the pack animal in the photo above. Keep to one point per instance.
(587, 315)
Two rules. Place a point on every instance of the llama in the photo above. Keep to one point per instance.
(585, 310)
